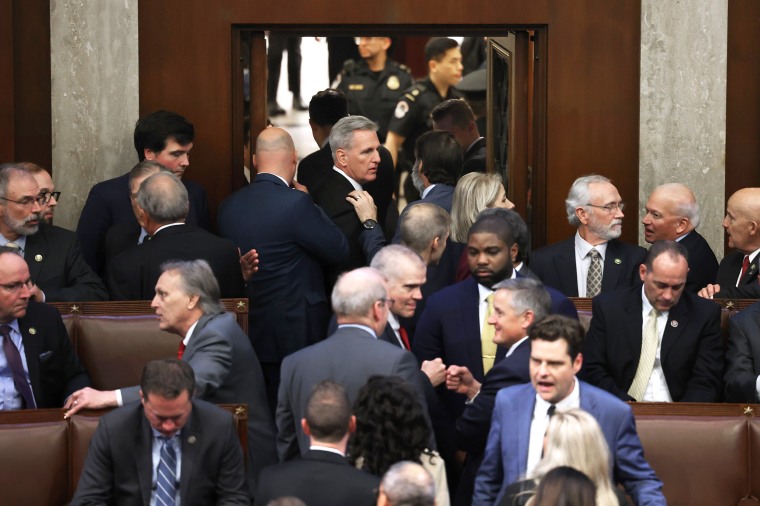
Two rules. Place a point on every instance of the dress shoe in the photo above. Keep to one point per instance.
(274, 109)
(298, 105)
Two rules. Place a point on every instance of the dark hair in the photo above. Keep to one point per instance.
(328, 106)
(493, 224)
(154, 130)
(672, 248)
(518, 226)
(457, 109)
(565, 486)
(555, 327)
(436, 47)
(390, 425)
(167, 377)
(328, 412)
(441, 157)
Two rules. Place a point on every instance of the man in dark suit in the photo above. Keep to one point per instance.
(326, 108)
(53, 254)
(165, 448)
(593, 260)
(289, 305)
(743, 356)
(672, 214)
(656, 342)
(323, 477)
(738, 271)
(521, 416)
(226, 367)
(36, 351)
(164, 137)
(348, 357)
(456, 117)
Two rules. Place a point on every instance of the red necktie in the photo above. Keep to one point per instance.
(745, 266)
(181, 350)
(404, 337)
(13, 357)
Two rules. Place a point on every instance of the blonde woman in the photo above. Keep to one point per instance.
(474, 192)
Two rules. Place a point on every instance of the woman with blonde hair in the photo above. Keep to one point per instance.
(573, 439)
(475, 192)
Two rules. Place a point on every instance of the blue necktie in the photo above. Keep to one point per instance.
(17, 367)
(166, 476)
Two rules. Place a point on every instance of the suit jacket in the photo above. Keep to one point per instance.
(555, 265)
(108, 204)
(120, 238)
(474, 159)
(54, 369)
(691, 352)
(388, 335)
(743, 356)
(118, 468)
(703, 266)
(289, 306)
(320, 478)
(349, 357)
(728, 272)
(133, 274)
(56, 264)
(313, 168)
(506, 453)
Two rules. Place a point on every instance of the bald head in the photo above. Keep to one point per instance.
(424, 228)
(742, 221)
(360, 296)
(163, 198)
(671, 212)
(275, 153)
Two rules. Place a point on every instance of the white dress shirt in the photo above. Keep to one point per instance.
(657, 388)
(583, 261)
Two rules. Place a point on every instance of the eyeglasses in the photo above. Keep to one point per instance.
(27, 201)
(610, 208)
(47, 196)
(15, 287)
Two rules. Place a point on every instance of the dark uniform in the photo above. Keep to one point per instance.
(374, 94)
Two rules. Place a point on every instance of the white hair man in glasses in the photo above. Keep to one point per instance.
(57, 267)
(594, 260)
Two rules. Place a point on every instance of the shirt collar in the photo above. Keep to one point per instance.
(278, 177)
(571, 401)
(186, 340)
(166, 226)
(20, 242)
(393, 321)
(584, 247)
(358, 326)
(327, 449)
(426, 191)
(351, 180)
(646, 306)
(514, 346)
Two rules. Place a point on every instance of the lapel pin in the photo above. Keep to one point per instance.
(673, 323)
(38, 258)
(618, 261)
(191, 440)
(32, 330)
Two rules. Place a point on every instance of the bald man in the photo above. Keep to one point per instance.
(672, 214)
(738, 271)
(289, 308)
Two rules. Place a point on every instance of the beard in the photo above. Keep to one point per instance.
(607, 232)
(22, 227)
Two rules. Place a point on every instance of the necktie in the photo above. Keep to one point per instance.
(550, 412)
(181, 350)
(745, 266)
(650, 339)
(486, 339)
(404, 338)
(594, 276)
(17, 367)
(166, 475)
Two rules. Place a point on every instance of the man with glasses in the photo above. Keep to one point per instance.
(58, 270)
(47, 190)
(38, 366)
(593, 260)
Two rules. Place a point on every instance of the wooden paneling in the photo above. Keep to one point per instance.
(6, 81)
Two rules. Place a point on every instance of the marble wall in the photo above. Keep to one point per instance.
(94, 96)
(683, 104)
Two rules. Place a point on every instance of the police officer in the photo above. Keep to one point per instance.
(374, 84)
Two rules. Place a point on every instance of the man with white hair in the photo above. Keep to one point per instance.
(406, 483)
(594, 260)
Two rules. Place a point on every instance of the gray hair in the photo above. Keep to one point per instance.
(528, 294)
(164, 198)
(356, 292)
(389, 259)
(197, 278)
(407, 483)
(7, 171)
(579, 195)
(473, 193)
(342, 133)
(516, 223)
(422, 223)
(691, 211)
(145, 168)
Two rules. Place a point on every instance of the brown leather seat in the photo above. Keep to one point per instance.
(81, 429)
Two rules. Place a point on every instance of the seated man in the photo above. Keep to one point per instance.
(323, 477)
(656, 342)
(743, 356)
(47, 189)
(164, 449)
(406, 484)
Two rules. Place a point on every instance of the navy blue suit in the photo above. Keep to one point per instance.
(555, 265)
(506, 456)
(108, 204)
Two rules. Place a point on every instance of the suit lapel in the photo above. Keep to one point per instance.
(524, 419)
(193, 343)
(565, 265)
(144, 456)
(633, 332)
(614, 260)
(751, 276)
(32, 351)
(34, 248)
(190, 439)
(674, 328)
(471, 324)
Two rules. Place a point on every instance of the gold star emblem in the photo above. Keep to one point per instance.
(748, 411)
(240, 305)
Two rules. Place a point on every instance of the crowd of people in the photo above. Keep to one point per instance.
(427, 355)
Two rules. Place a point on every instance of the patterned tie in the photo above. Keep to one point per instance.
(594, 277)
(650, 339)
(17, 367)
(486, 339)
(181, 350)
(166, 475)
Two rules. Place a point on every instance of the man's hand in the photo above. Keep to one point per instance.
(36, 294)
(709, 291)
(298, 186)
(461, 380)
(363, 204)
(249, 263)
(435, 371)
(89, 398)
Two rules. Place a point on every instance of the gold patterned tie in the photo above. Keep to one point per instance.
(650, 339)
(594, 277)
(486, 339)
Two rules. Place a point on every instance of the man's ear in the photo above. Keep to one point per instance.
(305, 427)
(149, 154)
(193, 303)
(352, 424)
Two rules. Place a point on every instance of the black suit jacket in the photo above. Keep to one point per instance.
(54, 369)
(320, 478)
(57, 266)
(555, 266)
(474, 159)
(743, 356)
(703, 266)
(691, 352)
(118, 465)
(133, 274)
(728, 272)
(120, 238)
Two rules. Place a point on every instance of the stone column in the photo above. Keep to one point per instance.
(683, 105)
(94, 70)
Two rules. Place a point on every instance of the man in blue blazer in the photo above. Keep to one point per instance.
(522, 412)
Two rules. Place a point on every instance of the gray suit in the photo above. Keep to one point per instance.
(228, 371)
(348, 357)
